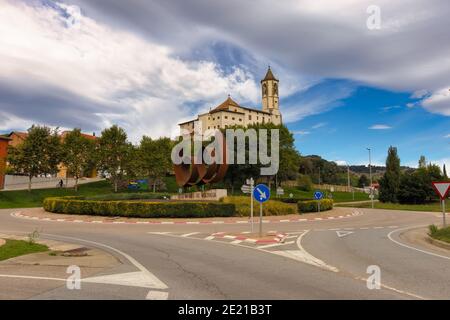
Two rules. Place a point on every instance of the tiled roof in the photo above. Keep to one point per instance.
(269, 76)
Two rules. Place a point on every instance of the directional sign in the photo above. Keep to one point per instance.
(318, 195)
(280, 191)
(442, 189)
(261, 193)
(246, 189)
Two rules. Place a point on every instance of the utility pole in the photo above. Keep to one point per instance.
(348, 177)
(319, 176)
(370, 176)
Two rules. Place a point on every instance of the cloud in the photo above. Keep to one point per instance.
(438, 102)
(390, 108)
(447, 136)
(301, 132)
(61, 68)
(319, 125)
(341, 162)
(380, 127)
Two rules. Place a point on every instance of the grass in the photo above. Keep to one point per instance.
(25, 199)
(432, 207)
(15, 248)
(442, 234)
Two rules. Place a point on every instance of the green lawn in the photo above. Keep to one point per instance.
(15, 248)
(433, 206)
(442, 234)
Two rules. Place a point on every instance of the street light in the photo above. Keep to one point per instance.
(370, 176)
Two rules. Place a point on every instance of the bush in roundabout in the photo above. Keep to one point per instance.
(312, 205)
(270, 208)
(137, 208)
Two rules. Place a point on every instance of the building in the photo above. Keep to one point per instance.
(230, 113)
(4, 141)
(16, 138)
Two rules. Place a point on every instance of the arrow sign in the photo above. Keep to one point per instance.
(261, 193)
(442, 189)
(341, 234)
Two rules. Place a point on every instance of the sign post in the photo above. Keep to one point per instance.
(318, 195)
(442, 189)
(261, 193)
(249, 189)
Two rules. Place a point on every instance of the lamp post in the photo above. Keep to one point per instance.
(370, 176)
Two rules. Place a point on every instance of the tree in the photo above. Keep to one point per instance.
(304, 183)
(114, 154)
(445, 172)
(390, 182)
(39, 154)
(154, 158)
(77, 153)
(363, 181)
(422, 162)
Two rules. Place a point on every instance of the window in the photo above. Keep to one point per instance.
(249, 117)
(218, 118)
(209, 127)
(214, 118)
(232, 118)
(240, 119)
(226, 117)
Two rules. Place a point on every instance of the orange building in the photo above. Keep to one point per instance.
(3, 154)
(16, 138)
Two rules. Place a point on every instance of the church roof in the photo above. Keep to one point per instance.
(269, 76)
(226, 105)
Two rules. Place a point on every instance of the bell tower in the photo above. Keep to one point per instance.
(270, 100)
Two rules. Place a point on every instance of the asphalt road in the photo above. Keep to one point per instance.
(319, 260)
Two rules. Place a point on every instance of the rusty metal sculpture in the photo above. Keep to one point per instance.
(195, 174)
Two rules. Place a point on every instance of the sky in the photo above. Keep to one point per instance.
(349, 78)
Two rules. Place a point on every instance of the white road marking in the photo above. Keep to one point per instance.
(144, 275)
(209, 238)
(131, 279)
(394, 289)
(341, 234)
(236, 241)
(157, 295)
(190, 234)
(413, 248)
(275, 245)
(30, 277)
(303, 256)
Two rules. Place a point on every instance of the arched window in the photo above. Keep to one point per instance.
(275, 89)
(264, 88)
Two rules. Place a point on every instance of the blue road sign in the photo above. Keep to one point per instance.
(318, 195)
(261, 193)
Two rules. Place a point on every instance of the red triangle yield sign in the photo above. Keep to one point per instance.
(442, 189)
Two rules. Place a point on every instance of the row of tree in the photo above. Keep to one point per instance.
(44, 152)
(412, 186)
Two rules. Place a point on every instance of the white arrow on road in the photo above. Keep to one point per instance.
(341, 234)
(262, 195)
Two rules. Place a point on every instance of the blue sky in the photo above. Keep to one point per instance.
(345, 85)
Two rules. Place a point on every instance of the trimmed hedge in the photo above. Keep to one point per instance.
(138, 209)
(312, 205)
(270, 208)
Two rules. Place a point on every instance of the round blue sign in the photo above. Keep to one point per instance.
(261, 193)
(318, 195)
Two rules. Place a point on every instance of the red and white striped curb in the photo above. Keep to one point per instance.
(279, 237)
(104, 221)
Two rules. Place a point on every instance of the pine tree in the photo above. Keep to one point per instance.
(390, 182)
(445, 172)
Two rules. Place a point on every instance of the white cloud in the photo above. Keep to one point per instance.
(134, 80)
(341, 162)
(319, 125)
(380, 127)
(447, 136)
(301, 132)
(438, 102)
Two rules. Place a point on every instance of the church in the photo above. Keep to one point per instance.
(230, 113)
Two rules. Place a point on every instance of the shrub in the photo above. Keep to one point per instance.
(312, 205)
(139, 209)
(304, 183)
(270, 208)
(433, 229)
(442, 234)
(128, 196)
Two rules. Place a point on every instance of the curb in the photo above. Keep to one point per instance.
(438, 243)
(279, 237)
(104, 221)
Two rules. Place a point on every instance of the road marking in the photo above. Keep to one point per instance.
(413, 248)
(275, 245)
(394, 289)
(236, 241)
(303, 256)
(190, 234)
(157, 295)
(140, 279)
(341, 234)
(30, 277)
(209, 238)
(133, 278)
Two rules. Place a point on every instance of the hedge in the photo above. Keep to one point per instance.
(270, 208)
(311, 205)
(138, 209)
